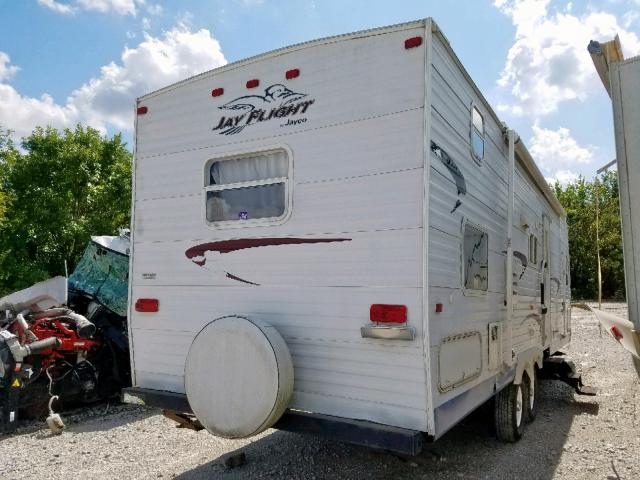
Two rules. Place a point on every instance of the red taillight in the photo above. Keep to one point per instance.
(142, 110)
(412, 42)
(216, 92)
(388, 313)
(439, 308)
(253, 83)
(617, 334)
(147, 305)
(293, 73)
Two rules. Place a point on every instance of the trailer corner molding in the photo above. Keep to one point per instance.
(238, 376)
(277, 102)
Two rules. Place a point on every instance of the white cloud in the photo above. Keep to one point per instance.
(21, 114)
(629, 18)
(548, 62)
(153, 8)
(251, 3)
(563, 176)
(154, 63)
(107, 100)
(118, 7)
(557, 153)
(6, 69)
(57, 6)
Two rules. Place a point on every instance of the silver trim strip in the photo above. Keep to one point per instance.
(388, 332)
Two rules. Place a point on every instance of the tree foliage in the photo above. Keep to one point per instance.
(55, 192)
(581, 200)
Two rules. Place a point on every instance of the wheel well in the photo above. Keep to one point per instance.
(526, 363)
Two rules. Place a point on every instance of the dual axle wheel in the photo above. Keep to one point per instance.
(515, 405)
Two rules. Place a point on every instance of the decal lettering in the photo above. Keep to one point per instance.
(278, 102)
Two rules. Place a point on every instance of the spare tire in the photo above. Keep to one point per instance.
(238, 376)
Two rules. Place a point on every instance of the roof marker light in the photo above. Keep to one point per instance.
(147, 305)
(216, 92)
(293, 73)
(380, 313)
(253, 83)
(142, 110)
(412, 42)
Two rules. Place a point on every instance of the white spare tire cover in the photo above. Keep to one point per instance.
(238, 376)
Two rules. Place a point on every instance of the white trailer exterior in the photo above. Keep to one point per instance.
(621, 79)
(381, 199)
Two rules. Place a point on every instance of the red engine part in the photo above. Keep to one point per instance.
(71, 343)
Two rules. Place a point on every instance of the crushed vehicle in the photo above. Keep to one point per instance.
(66, 340)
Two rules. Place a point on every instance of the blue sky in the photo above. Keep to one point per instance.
(69, 61)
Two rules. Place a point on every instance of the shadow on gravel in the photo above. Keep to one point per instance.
(107, 422)
(470, 450)
(95, 418)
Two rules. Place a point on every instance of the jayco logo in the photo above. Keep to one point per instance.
(278, 102)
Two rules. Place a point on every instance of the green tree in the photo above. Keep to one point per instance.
(580, 199)
(59, 189)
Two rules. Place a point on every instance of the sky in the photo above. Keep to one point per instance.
(69, 61)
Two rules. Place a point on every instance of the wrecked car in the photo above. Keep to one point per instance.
(64, 342)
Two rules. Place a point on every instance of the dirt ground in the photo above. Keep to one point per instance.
(573, 437)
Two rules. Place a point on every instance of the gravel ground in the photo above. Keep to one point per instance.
(573, 437)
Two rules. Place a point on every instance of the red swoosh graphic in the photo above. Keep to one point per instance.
(227, 246)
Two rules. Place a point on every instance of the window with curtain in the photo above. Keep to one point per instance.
(248, 187)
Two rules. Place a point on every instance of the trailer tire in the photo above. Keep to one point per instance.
(531, 396)
(509, 414)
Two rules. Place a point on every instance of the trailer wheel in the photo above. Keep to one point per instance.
(509, 413)
(531, 397)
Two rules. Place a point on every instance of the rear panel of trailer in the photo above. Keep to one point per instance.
(355, 179)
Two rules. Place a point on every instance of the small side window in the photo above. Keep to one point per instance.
(533, 250)
(477, 134)
(245, 188)
(475, 255)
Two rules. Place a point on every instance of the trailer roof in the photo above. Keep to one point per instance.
(522, 153)
(288, 49)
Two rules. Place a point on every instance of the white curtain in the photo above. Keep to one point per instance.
(246, 169)
(248, 203)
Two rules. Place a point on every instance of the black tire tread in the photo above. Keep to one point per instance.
(530, 415)
(505, 415)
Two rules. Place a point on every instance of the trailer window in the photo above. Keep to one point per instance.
(476, 258)
(248, 187)
(477, 134)
(533, 250)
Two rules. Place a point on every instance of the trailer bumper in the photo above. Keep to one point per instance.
(346, 430)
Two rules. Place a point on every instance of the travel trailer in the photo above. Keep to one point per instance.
(621, 80)
(342, 237)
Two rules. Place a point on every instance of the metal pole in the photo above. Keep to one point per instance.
(597, 185)
(511, 139)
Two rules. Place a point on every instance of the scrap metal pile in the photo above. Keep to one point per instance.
(64, 342)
